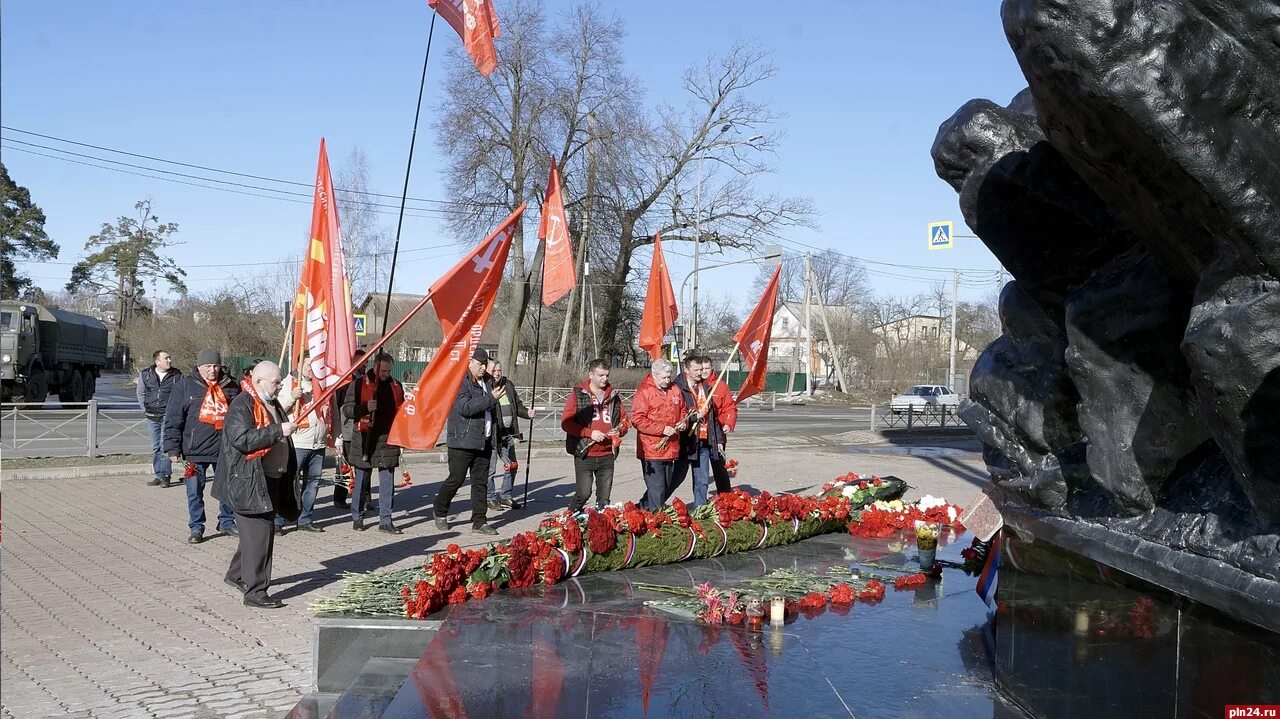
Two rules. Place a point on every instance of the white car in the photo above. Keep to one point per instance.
(923, 397)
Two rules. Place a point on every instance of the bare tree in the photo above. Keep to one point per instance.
(840, 280)
(690, 172)
(366, 242)
(498, 132)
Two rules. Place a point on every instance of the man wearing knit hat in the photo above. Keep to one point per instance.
(470, 438)
(193, 433)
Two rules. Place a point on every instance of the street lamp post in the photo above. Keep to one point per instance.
(771, 252)
(692, 334)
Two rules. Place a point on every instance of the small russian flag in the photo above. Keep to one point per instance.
(989, 578)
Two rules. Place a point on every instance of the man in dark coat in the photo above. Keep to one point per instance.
(510, 411)
(471, 428)
(155, 384)
(372, 401)
(257, 477)
(193, 422)
(700, 444)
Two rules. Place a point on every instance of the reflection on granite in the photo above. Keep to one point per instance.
(589, 647)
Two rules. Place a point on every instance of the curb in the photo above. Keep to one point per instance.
(440, 457)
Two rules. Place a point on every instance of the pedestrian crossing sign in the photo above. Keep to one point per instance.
(359, 321)
(941, 235)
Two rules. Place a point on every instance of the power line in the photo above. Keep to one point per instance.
(193, 184)
(211, 169)
(309, 197)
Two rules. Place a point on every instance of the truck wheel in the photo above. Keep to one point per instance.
(76, 388)
(37, 388)
(90, 385)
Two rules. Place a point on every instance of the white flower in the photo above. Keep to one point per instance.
(929, 501)
(838, 483)
(848, 492)
(952, 513)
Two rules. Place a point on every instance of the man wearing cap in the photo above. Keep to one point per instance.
(193, 422)
(470, 436)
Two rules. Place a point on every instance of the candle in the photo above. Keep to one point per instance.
(1082, 622)
(777, 610)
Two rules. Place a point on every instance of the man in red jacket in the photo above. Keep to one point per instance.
(727, 415)
(658, 414)
(594, 422)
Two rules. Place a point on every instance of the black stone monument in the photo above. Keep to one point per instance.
(1131, 410)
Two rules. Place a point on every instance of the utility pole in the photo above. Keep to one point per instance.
(808, 327)
(584, 238)
(692, 339)
(826, 325)
(582, 300)
(595, 334)
(955, 301)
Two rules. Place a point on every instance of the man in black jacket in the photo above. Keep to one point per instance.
(371, 402)
(507, 433)
(155, 384)
(193, 421)
(470, 439)
(700, 444)
(257, 476)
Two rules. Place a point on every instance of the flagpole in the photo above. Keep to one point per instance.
(404, 197)
(372, 352)
(533, 394)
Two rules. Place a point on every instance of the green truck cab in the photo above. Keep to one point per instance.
(45, 350)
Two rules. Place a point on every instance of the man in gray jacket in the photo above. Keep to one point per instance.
(471, 427)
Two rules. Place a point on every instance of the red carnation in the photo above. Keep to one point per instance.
(842, 594)
(909, 581)
(458, 595)
(813, 600)
(480, 590)
(600, 535)
(872, 592)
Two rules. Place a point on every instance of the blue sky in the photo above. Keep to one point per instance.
(251, 87)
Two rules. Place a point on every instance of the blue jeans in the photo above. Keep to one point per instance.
(195, 501)
(701, 475)
(311, 466)
(506, 453)
(160, 463)
(386, 493)
(657, 482)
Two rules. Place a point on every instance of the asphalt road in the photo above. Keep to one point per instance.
(57, 432)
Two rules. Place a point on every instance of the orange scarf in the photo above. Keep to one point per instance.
(367, 392)
(213, 410)
(261, 418)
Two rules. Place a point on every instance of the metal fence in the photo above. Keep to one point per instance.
(914, 418)
(80, 429)
(76, 429)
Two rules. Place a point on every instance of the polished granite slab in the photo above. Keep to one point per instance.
(1083, 642)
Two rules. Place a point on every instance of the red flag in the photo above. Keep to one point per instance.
(322, 322)
(463, 299)
(557, 258)
(753, 339)
(659, 304)
(476, 23)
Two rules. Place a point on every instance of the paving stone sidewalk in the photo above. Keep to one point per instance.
(107, 612)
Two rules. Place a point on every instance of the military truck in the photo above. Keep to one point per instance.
(45, 350)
